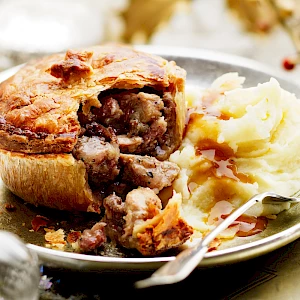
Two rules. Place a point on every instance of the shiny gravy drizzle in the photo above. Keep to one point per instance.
(260, 224)
(222, 166)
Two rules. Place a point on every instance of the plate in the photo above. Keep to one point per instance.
(202, 68)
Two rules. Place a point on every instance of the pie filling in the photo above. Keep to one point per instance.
(124, 145)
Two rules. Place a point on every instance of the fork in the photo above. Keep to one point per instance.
(187, 260)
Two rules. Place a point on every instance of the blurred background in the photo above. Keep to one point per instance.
(265, 30)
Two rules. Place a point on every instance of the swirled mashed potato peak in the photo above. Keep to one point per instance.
(238, 142)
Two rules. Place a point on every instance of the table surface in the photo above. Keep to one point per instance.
(272, 276)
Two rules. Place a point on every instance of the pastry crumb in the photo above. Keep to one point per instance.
(55, 239)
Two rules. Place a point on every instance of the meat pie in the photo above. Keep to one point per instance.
(90, 120)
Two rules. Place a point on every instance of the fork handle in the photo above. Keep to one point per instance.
(187, 260)
(175, 270)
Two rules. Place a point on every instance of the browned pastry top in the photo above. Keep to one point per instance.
(39, 104)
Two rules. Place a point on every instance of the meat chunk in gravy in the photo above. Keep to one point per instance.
(114, 216)
(141, 204)
(143, 114)
(147, 171)
(143, 107)
(100, 157)
(145, 226)
(92, 238)
(129, 144)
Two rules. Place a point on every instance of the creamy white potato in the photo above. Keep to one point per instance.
(239, 142)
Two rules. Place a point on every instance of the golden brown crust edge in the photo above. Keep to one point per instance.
(57, 181)
(177, 78)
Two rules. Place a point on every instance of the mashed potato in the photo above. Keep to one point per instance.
(239, 142)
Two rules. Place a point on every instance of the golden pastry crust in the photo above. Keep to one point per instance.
(54, 180)
(39, 104)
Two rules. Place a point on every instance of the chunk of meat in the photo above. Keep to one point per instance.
(92, 238)
(140, 223)
(100, 157)
(143, 107)
(143, 113)
(129, 144)
(109, 113)
(105, 133)
(114, 216)
(141, 204)
(114, 208)
(147, 171)
(149, 229)
(154, 133)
